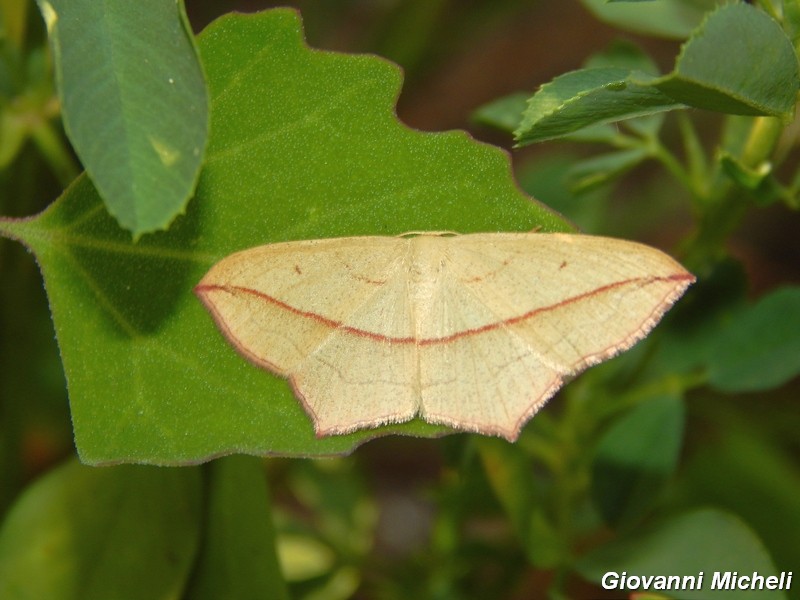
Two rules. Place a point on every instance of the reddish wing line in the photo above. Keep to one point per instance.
(233, 289)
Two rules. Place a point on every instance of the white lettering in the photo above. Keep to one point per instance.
(721, 581)
(689, 582)
(647, 581)
(610, 581)
(661, 583)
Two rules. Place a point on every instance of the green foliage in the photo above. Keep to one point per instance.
(588, 97)
(237, 557)
(508, 473)
(758, 349)
(696, 542)
(674, 458)
(124, 311)
(769, 502)
(733, 40)
(129, 532)
(662, 18)
(113, 59)
(635, 458)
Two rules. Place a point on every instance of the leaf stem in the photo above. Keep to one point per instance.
(725, 209)
(695, 157)
(762, 140)
(672, 164)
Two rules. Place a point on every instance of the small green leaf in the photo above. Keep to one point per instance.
(304, 144)
(739, 61)
(546, 177)
(635, 458)
(123, 532)
(759, 181)
(673, 19)
(703, 541)
(238, 557)
(759, 349)
(622, 54)
(504, 114)
(600, 169)
(745, 176)
(602, 133)
(134, 103)
(587, 97)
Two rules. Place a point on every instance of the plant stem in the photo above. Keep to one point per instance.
(665, 157)
(727, 205)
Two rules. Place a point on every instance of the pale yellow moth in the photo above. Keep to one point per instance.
(472, 331)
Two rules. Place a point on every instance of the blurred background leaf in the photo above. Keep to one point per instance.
(664, 18)
(636, 457)
(687, 544)
(759, 348)
(55, 543)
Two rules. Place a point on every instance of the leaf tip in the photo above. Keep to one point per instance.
(49, 14)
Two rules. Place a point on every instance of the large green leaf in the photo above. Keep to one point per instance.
(304, 144)
(739, 61)
(134, 102)
(126, 532)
